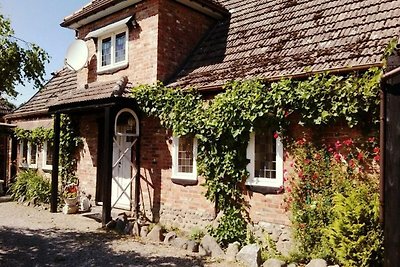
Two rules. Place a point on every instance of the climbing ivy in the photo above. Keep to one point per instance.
(223, 124)
(36, 136)
(69, 144)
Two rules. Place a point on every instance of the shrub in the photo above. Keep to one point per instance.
(321, 176)
(232, 227)
(31, 186)
(355, 235)
(196, 234)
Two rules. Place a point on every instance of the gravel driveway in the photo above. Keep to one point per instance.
(35, 237)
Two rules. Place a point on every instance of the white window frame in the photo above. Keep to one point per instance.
(32, 166)
(44, 162)
(263, 181)
(113, 64)
(21, 154)
(28, 163)
(175, 156)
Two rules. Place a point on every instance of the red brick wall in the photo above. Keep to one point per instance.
(87, 163)
(163, 200)
(180, 30)
(142, 55)
(166, 34)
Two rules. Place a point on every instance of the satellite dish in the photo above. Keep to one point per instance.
(77, 55)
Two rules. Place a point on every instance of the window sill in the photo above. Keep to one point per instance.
(47, 168)
(264, 185)
(112, 69)
(184, 180)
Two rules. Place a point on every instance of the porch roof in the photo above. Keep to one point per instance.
(61, 82)
(90, 92)
(272, 38)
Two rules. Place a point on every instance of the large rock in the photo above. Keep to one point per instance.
(232, 251)
(169, 237)
(211, 247)
(155, 234)
(250, 256)
(317, 263)
(274, 263)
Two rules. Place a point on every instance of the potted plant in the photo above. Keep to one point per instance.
(71, 194)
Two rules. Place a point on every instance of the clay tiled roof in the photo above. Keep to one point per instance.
(62, 81)
(93, 91)
(275, 38)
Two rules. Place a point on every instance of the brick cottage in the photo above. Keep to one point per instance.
(202, 44)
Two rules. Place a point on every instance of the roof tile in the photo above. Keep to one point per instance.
(273, 38)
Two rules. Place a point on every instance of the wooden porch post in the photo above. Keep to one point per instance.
(54, 172)
(107, 166)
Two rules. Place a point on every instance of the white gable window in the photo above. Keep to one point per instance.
(112, 51)
(112, 45)
(184, 153)
(265, 153)
(47, 156)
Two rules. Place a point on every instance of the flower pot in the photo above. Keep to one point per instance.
(71, 201)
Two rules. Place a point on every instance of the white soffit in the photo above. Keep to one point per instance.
(103, 13)
(109, 28)
(202, 9)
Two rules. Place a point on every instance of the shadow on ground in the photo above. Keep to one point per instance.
(54, 247)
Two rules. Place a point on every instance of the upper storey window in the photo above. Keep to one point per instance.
(112, 45)
(112, 51)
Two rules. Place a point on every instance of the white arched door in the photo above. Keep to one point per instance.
(124, 161)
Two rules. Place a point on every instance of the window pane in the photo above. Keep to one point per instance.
(33, 154)
(185, 155)
(49, 154)
(265, 155)
(106, 52)
(120, 47)
(23, 152)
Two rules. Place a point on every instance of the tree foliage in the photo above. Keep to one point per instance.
(20, 61)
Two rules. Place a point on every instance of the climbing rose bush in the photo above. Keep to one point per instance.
(319, 175)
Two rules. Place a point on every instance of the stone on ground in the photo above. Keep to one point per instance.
(169, 237)
(193, 246)
(317, 263)
(180, 242)
(155, 234)
(211, 247)
(144, 230)
(250, 256)
(232, 251)
(274, 263)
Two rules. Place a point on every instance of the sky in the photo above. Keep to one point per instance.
(38, 21)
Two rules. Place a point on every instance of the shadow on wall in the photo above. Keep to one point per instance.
(55, 247)
(155, 157)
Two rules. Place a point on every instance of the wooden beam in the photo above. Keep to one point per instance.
(54, 172)
(137, 179)
(392, 177)
(107, 165)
